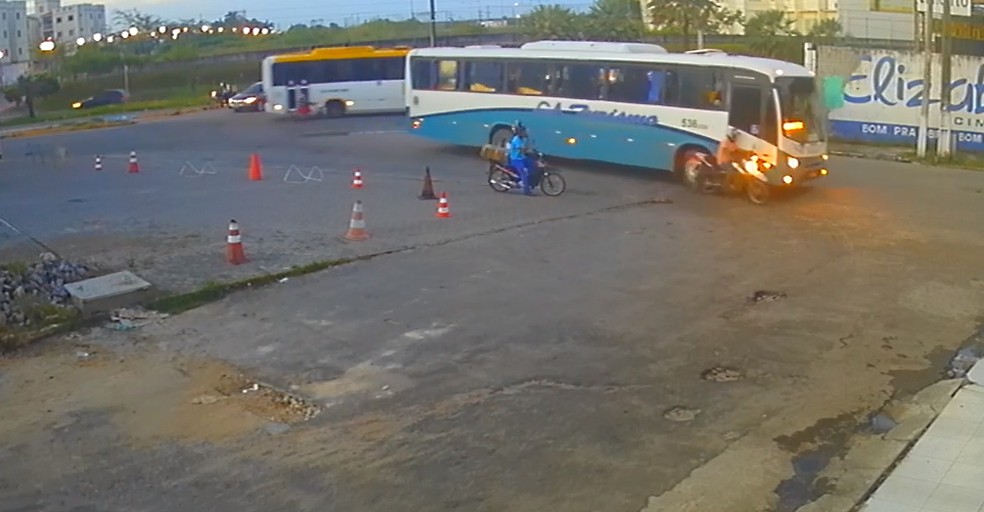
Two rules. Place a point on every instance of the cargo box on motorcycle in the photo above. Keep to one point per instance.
(493, 153)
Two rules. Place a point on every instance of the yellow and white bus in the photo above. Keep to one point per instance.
(336, 81)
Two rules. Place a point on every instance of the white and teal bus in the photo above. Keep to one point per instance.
(624, 103)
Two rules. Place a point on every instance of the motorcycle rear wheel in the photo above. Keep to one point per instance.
(499, 180)
(552, 184)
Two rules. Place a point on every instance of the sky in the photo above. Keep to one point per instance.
(288, 12)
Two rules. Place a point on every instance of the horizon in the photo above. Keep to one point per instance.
(343, 12)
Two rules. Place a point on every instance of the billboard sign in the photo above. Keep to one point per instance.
(882, 97)
(957, 7)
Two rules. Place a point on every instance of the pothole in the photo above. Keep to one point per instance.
(681, 414)
(721, 374)
(762, 296)
(265, 401)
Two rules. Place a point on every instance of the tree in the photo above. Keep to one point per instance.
(616, 20)
(235, 19)
(688, 16)
(134, 18)
(825, 30)
(35, 87)
(553, 22)
(13, 95)
(768, 31)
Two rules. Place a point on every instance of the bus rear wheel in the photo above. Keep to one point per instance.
(500, 137)
(334, 108)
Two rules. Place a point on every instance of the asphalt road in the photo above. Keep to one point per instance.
(171, 225)
(527, 354)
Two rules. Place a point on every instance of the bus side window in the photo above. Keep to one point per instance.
(393, 68)
(483, 76)
(579, 81)
(447, 75)
(629, 84)
(698, 89)
(367, 70)
(424, 74)
(527, 78)
(671, 89)
(341, 70)
(656, 81)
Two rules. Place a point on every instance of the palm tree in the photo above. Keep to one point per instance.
(553, 22)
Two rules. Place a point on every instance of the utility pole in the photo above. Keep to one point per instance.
(433, 25)
(927, 79)
(944, 138)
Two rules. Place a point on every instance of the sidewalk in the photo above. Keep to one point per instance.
(944, 470)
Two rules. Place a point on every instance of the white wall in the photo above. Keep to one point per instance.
(883, 94)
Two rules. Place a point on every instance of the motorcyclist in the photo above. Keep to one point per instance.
(517, 156)
(727, 151)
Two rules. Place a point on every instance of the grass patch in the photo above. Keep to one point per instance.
(970, 162)
(15, 267)
(213, 291)
(45, 320)
(136, 106)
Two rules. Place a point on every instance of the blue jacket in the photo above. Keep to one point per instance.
(517, 148)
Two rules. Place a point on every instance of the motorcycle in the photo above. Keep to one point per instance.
(221, 95)
(746, 176)
(502, 178)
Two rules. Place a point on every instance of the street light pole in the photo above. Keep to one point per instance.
(927, 80)
(433, 25)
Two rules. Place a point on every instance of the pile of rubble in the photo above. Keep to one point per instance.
(26, 289)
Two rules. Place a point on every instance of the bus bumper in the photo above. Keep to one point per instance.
(809, 170)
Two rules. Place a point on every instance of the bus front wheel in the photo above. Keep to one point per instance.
(334, 108)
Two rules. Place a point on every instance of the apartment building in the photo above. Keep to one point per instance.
(13, 40)
(804, 13)
(65, 24)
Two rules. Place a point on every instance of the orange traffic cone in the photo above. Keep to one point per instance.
(443, 207)
(99, 163)
(234, 245)
(134, 165)
(357, 179)
(357, 226)
(255, 168)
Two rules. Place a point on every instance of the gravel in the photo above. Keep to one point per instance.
(26, 290)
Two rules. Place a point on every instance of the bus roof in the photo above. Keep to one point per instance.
(578, 50)
(341, 52)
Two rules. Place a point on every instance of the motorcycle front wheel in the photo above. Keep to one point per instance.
(499, 180)
(757, 192)
(552, 184)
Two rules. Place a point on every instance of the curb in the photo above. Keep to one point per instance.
(113, 119)
(868, 156)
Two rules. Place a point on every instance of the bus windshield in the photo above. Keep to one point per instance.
(802, 114)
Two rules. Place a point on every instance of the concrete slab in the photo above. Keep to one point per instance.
(976, 373)
(111, 291)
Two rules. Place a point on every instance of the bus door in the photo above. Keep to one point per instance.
(291, 96)
(751, 109)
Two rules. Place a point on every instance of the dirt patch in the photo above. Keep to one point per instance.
(151, 397)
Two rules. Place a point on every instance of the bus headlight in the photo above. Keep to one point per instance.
(793, 162)
(278, 107)
(349, 103)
